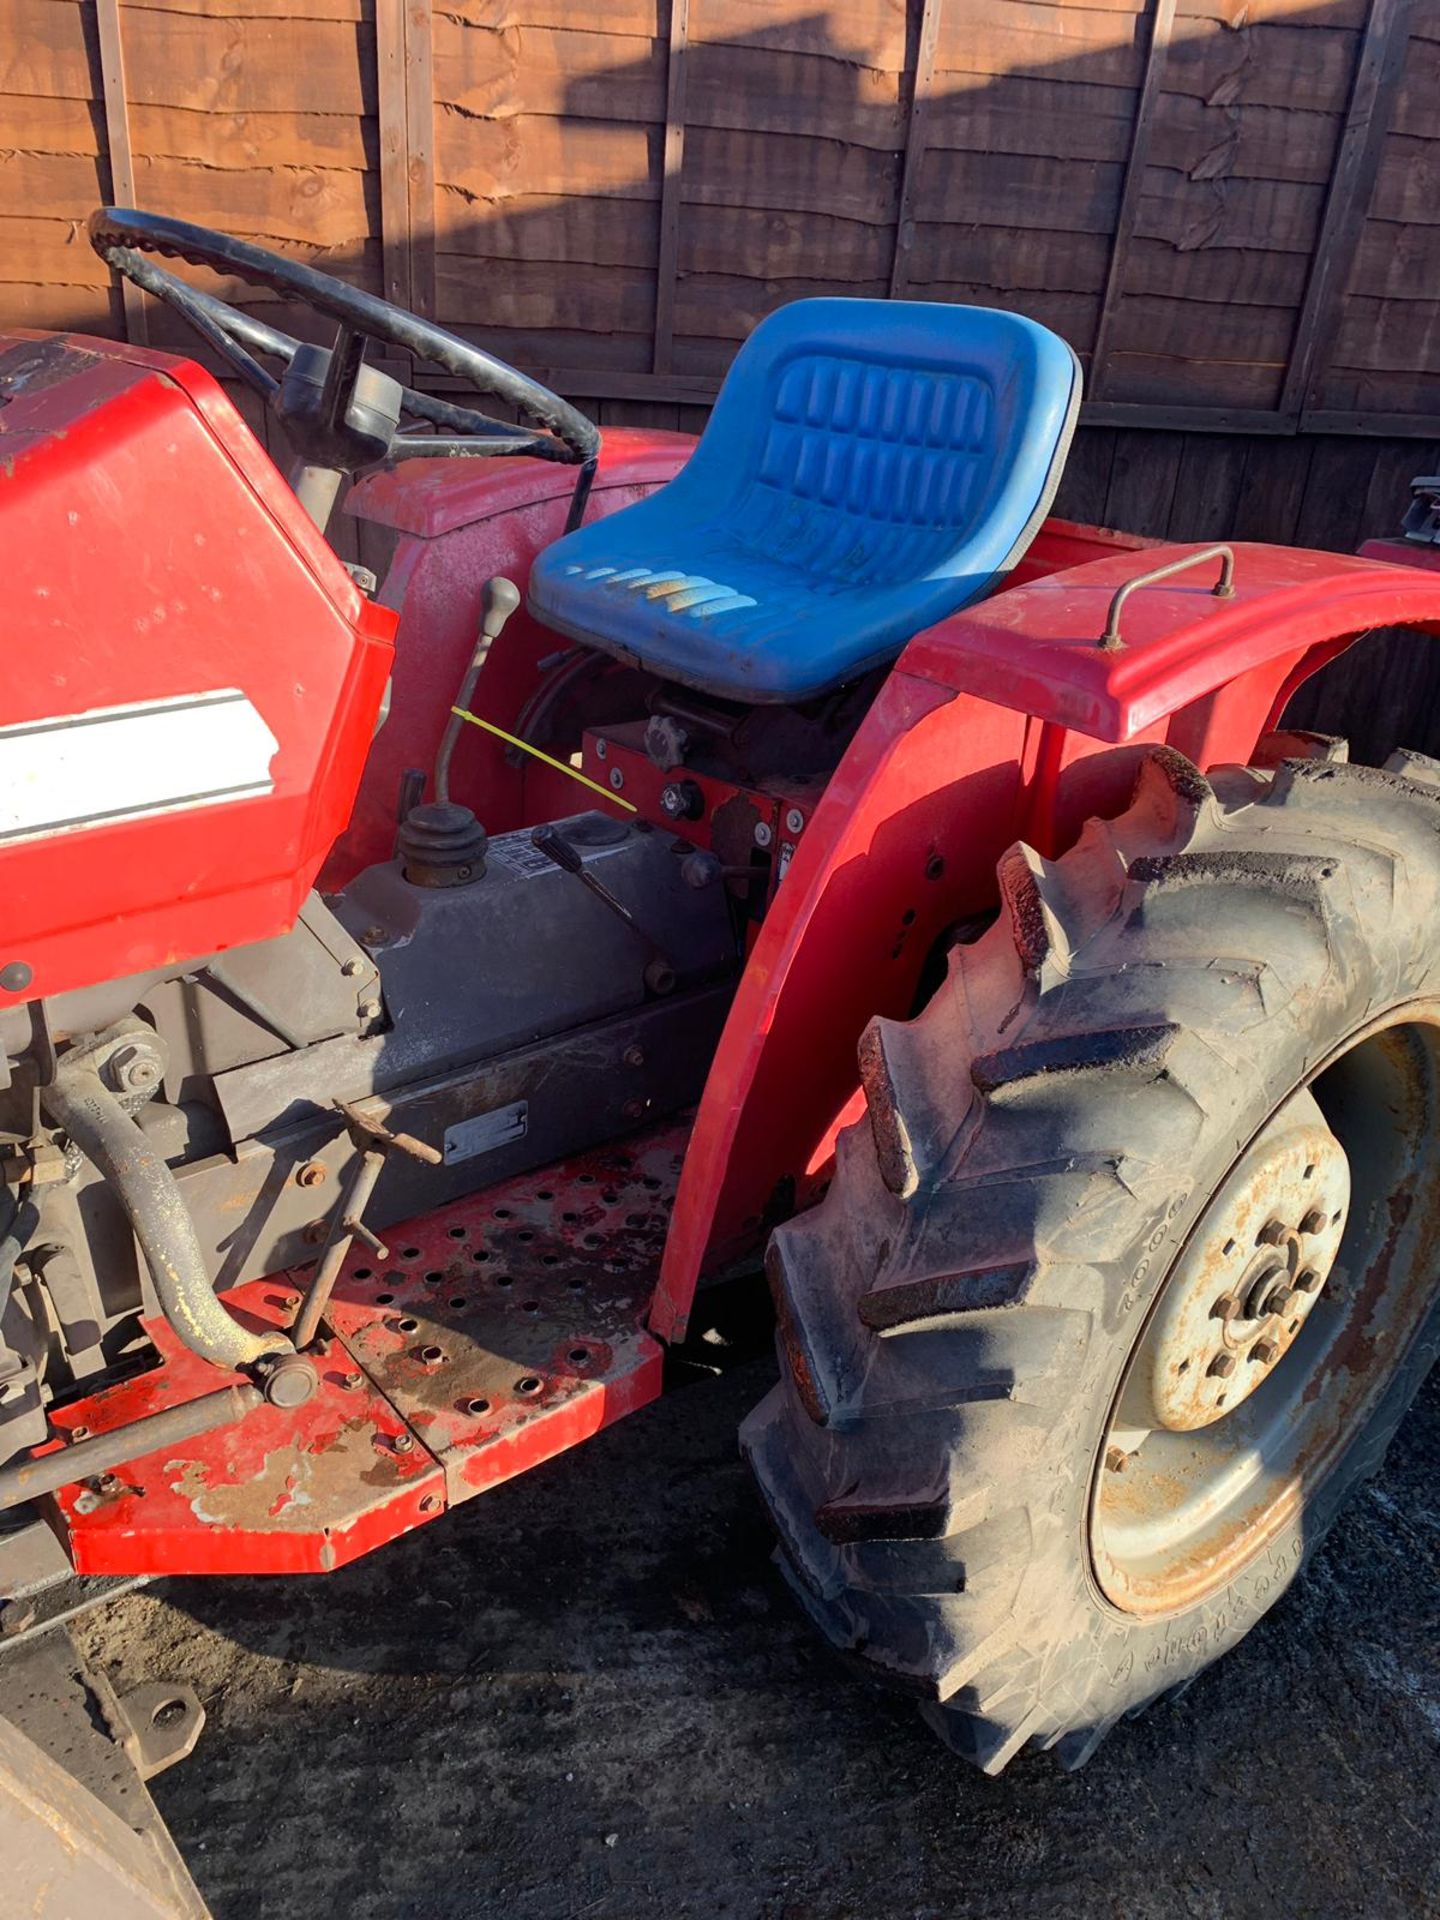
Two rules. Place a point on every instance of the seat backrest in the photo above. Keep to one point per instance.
(863, 442)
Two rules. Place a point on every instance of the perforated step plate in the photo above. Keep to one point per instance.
(502, 1329)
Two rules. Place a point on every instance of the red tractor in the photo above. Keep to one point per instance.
(792, 837)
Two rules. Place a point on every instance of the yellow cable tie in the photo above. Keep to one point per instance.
(559, 765)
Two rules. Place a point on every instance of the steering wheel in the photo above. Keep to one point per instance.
(339, 413)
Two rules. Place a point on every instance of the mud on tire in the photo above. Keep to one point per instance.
(956, 1317)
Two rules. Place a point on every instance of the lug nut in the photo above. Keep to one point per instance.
(1279, 1300)
(1264, 1351)
(1315, 1221)
(1116, 1459)
(1308, 1281)
(1225, 1308)
(1272, 1234)
(1222, 1366)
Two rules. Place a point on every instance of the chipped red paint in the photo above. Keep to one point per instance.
(297, 1491)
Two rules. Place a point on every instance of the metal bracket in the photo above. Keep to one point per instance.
(158, 1724)
(1422, 520)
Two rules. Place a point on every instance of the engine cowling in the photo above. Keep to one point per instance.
(192, 678)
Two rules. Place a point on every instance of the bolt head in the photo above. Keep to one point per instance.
(353, 1382)
(351, 967)
(1279, 1300)
(15, 976)
(617, 778)
(1116, 1460)
(403, 1443)
(764, 834)
(1264, 1351)
(634, 1056)
(1225, 1308)
(1315, 1221)
(312, 1174)
(369, 1009)
(602, 747)
(794, 820)
(1222, 1366)
(1308, 1281)
(290, 1381)
(1272, 1234)
(135, 1068)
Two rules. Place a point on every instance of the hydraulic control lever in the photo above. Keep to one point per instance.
(372, 1142)
(441, 842)
(659, 968)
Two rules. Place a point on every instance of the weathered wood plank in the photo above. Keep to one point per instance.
(1216, 384)
(1278, 215)
(1143, 479)
(1266, 64)
(1036, 260)
(1407, 186)
(1272, 485)
(918, 108)
(484, 163)
(1395, 260)
(1064, 118)
(188, 60)
(1232, 276)
(1161, 21)
(1190, 330)
(1377, 75)
(1207, 487)
(1019, 190)
(545, 70)
(117, 142)
(420, 152)
(47, 125)
(1018, 37)
(1389, 336)
(394, 148)
(53, 253)
(667, 265)
(1085, 483)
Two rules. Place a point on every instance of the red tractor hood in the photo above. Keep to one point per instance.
(191, 677)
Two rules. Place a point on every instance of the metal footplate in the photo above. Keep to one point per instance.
(502, 1329)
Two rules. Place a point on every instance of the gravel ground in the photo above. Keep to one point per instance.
(588, 1695)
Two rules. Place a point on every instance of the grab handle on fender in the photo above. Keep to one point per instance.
(1223, 589)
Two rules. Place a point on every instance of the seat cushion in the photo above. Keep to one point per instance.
(869, 467)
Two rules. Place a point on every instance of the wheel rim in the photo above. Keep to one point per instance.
(1279, 1323)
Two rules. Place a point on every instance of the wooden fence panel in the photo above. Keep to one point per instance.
(1228, 207)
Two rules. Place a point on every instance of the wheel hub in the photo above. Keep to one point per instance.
(1245, 1285)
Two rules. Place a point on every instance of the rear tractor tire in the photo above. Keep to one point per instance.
(1129, 1276)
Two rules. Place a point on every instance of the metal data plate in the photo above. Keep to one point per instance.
(499, 1128)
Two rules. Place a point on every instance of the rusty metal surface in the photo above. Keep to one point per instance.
(503, 1329)
(508, 1326)
(1180, 1515)
(80, 1835)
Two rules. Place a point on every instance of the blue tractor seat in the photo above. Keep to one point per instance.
(869, 467)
